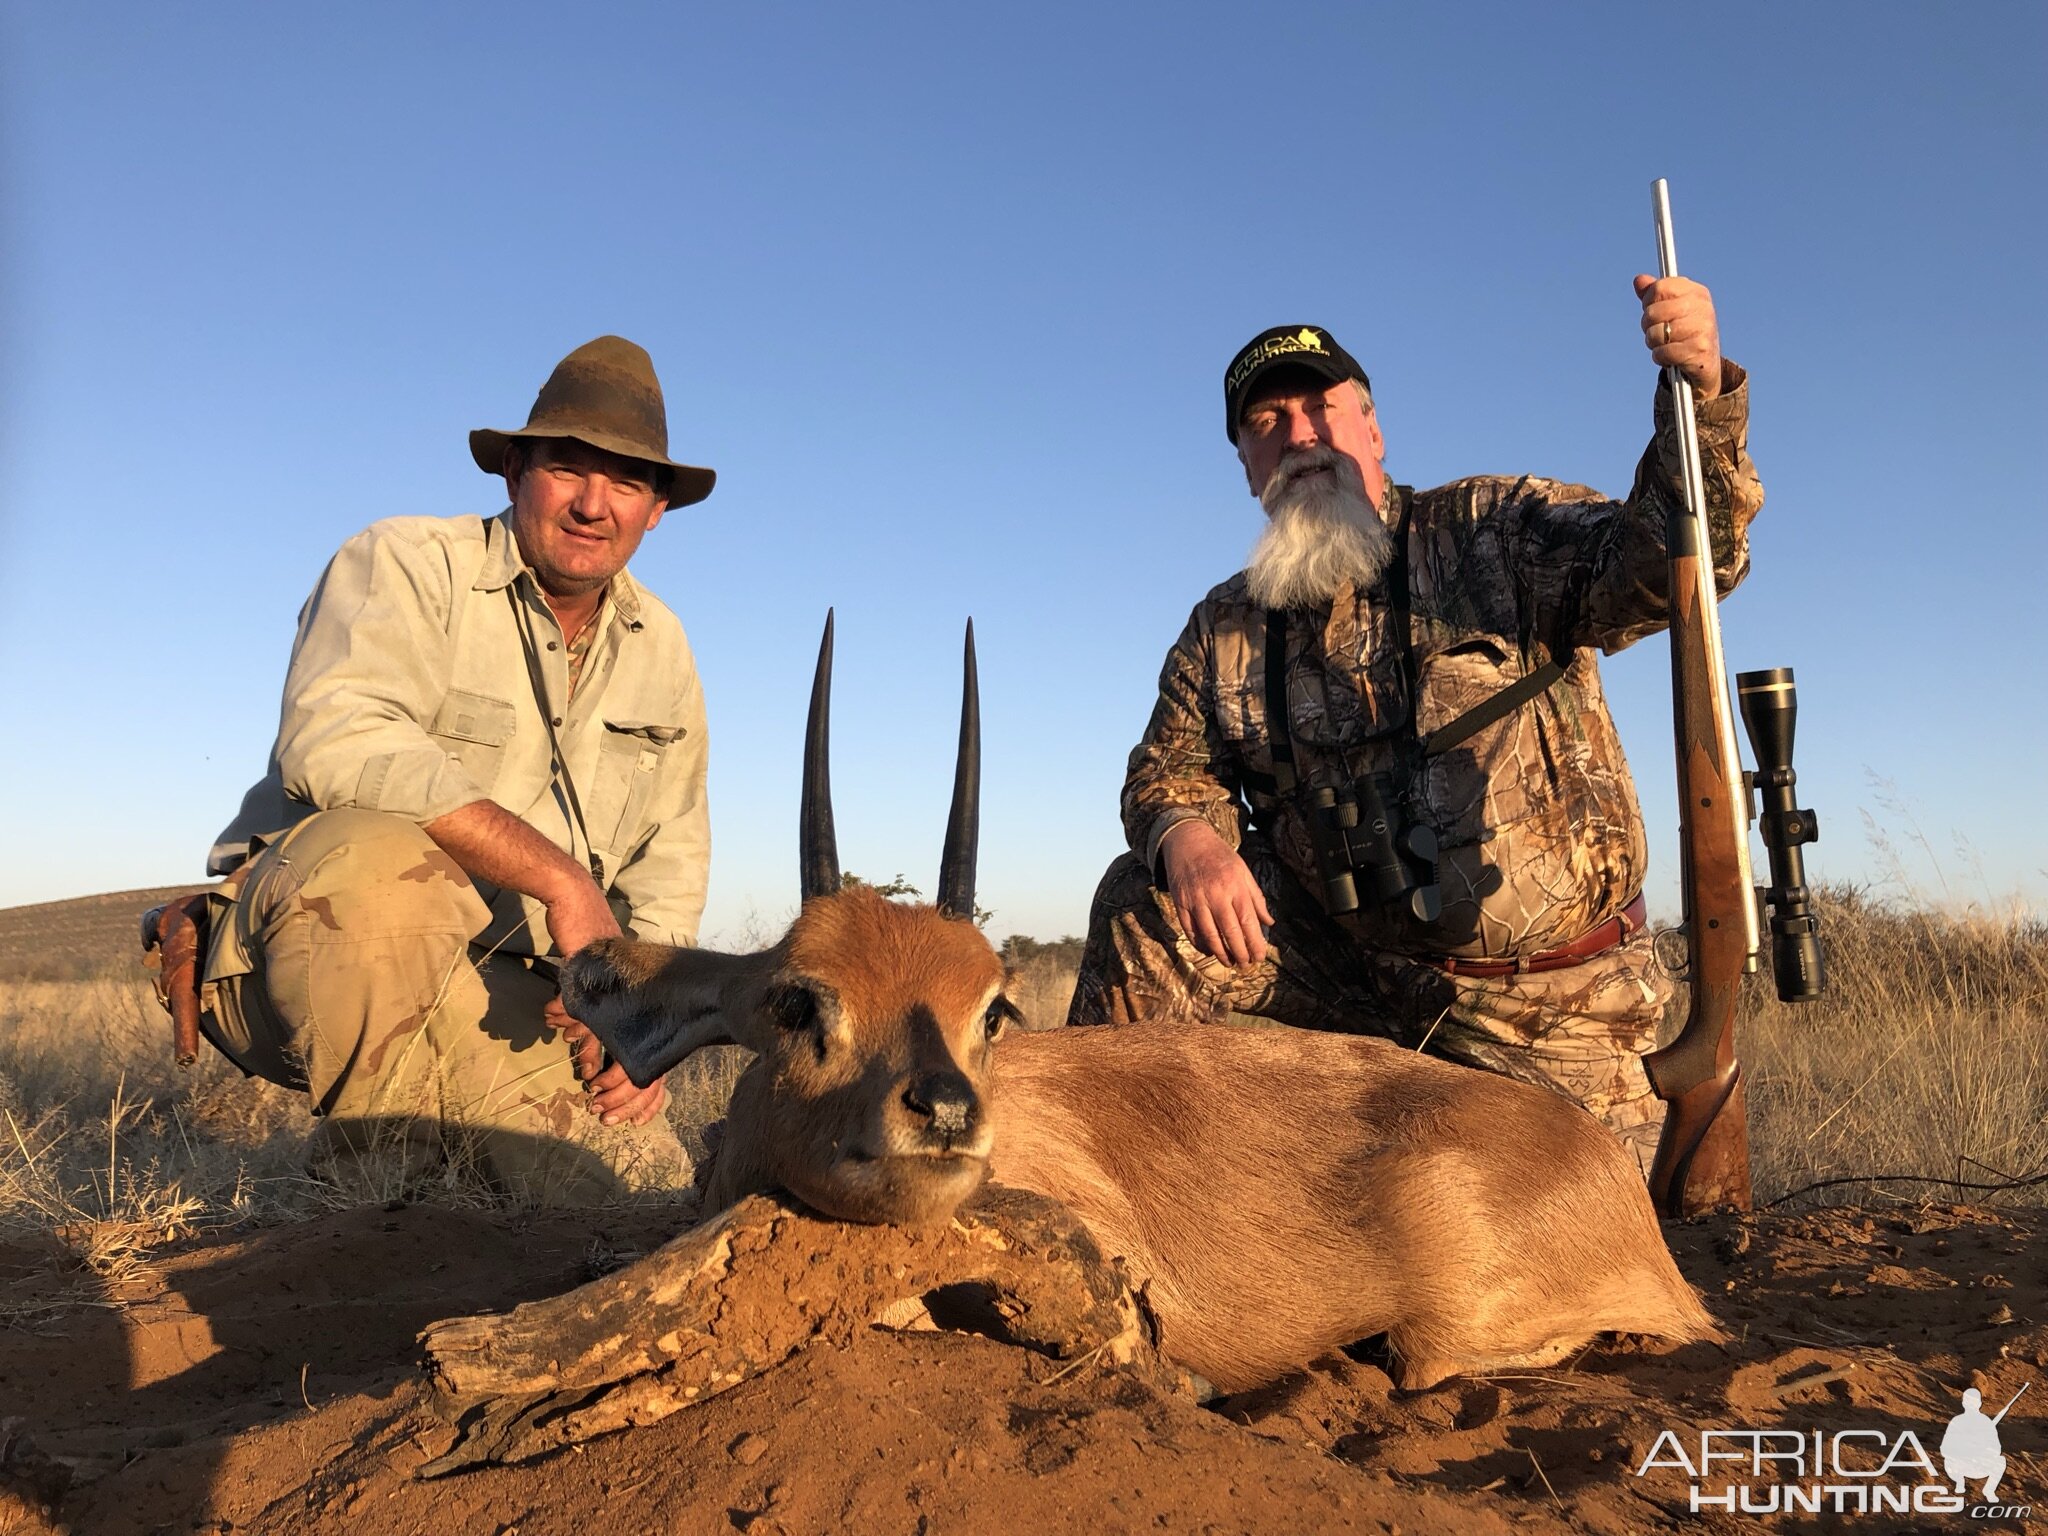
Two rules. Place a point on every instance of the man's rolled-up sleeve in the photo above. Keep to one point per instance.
(1177, 772)
(663, 882)
(370, 665)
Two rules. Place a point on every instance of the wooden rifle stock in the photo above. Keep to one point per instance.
(1702, 1160)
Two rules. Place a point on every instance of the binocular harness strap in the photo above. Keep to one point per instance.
(1484, 713)
(1278, 730)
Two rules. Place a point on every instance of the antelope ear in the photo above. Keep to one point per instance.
(653, 1006)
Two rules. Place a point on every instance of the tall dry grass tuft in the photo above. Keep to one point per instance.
(108, 1147)
(1926, 1056)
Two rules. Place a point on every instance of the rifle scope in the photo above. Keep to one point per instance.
(1770, 710)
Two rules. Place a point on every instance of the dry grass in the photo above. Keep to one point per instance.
(112, 1150)
(1928, 1057)
(103, 1152)
(697, 1095)
(1042, 986)
(108, 1146)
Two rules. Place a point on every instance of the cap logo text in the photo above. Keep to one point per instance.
(1303, 340)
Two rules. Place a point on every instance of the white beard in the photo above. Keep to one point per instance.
(1321, 535)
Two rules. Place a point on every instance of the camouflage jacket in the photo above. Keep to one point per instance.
(408, 693)
(1536, 815)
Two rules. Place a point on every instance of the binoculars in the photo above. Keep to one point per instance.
(1361, 842)
(1770, 710)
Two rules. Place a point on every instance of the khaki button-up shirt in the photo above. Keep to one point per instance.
(408, 693)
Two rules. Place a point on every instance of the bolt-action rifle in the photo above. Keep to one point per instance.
(1702, 1160)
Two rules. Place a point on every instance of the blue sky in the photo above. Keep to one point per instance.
(945, 294)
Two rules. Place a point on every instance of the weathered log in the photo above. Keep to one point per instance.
(747, 1289)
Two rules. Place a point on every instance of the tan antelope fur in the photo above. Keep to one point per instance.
(1275, 1192)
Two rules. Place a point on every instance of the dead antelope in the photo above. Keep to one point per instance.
(1277, 1192)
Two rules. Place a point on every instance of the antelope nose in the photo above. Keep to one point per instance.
(946, 1099)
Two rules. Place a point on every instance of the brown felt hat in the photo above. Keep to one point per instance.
(604, 394)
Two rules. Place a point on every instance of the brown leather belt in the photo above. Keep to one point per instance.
(1596, 940)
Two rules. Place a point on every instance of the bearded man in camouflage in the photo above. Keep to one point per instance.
(1380, 621)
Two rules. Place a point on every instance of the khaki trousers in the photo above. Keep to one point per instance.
(1581, 1030)
(343, 968)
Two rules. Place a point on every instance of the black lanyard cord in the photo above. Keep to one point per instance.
(558, 768)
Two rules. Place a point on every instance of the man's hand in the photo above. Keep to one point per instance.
(580, 915)
(613, 1097)
(1679, 329)
(492, 844)
(1221, 906)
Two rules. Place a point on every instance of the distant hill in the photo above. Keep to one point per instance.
(86, 936)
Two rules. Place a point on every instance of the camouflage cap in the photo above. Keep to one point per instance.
(1284, 346)
(604, 394)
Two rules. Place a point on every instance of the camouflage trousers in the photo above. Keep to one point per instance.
(1580, 1030)
(343, 968)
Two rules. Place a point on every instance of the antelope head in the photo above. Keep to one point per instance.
(871, 1021)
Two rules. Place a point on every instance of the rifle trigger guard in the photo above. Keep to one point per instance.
(1670, 947)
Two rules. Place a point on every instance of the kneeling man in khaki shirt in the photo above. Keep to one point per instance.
(491, 751)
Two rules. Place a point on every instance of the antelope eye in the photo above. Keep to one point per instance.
(793, 1007)
(1000, 1012)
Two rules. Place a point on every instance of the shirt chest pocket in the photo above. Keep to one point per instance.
(1458, 671)
(473, 728)
(1504, 773)
(1241, 716)
(629, 764)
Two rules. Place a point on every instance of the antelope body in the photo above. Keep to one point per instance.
(1275, 1192)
